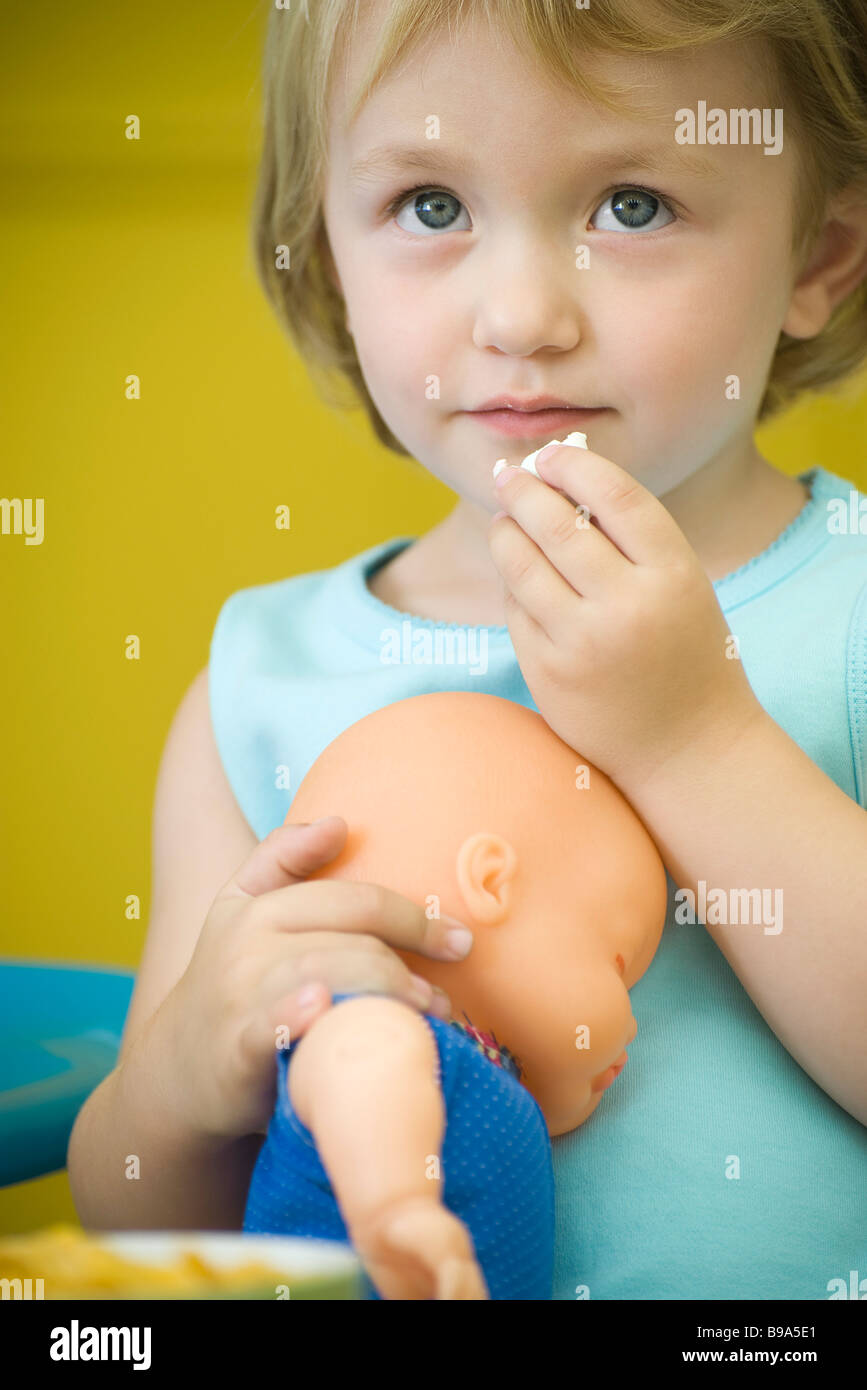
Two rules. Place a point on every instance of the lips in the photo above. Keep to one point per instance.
(525, 403)
(605, 1078)
(533, 424)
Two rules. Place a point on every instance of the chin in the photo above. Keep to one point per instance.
(563, 1123)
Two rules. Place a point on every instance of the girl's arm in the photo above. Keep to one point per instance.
(133, 1166)
(171, 1136)
(760, 815)
(199, 836)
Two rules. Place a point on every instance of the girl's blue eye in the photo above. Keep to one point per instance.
(434, 208)
(635, 209)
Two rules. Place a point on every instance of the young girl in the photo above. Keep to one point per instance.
(647, 224)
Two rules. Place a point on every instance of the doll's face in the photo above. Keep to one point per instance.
(555, 953)
(566, 898)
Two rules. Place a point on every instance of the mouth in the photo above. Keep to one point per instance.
(605, 1078)
(533, 424)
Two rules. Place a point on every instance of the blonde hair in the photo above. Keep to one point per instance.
(817, 74)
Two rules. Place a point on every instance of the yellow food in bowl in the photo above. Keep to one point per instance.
(72, 1263)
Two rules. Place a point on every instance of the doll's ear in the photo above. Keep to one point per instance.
(485, 867)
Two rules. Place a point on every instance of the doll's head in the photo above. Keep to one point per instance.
(471, 806)
(546, 231)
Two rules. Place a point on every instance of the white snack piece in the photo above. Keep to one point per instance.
(577, 440)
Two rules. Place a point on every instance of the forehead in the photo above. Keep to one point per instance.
(474, 73)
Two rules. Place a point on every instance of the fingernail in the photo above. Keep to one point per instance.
(440, 1005)
(459, 940)
(310, 994)
(422, 992)
(546, 453)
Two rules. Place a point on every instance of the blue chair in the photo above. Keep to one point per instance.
(60, 1032)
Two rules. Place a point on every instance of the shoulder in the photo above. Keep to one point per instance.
(829, 559)
(843, 509)
(856, 681)
(265, 613)
(266, 604)
(194, 800)
(190, 734)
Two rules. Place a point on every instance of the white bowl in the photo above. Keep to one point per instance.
(303, 1269)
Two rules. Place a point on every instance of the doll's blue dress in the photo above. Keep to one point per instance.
(495, 1164)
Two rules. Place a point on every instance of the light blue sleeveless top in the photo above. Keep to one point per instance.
(647, 1206)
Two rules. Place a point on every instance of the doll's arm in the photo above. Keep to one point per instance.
(364, 1081)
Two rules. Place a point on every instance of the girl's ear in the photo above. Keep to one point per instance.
(836, 267)
(485, 868)
(324, 249)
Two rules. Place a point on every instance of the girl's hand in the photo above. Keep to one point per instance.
(267, 936)
(616, 627)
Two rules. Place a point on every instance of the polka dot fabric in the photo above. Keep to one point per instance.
(496, 1164)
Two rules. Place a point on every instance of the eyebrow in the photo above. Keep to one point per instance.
(386, 159)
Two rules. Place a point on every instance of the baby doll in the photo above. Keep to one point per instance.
(425, 1143)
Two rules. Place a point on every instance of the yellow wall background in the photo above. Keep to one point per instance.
(128, 257)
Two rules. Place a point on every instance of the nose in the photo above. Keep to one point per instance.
(605, 1078)
(521, 308)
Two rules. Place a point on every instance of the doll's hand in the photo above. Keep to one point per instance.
(417, 1249)
(616, 627)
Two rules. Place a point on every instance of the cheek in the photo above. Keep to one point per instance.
(684, 351)
(393, 368)
(401, 344)
(688, 323)
(610, 1016)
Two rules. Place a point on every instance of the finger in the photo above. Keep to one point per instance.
(342, 905)
(275, 1029)
(291, 1014)
(459, 1280)
(344, 968)
(540, 592)
(627, 512)
(286, 856)
(565, 533)
(300, 1008)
